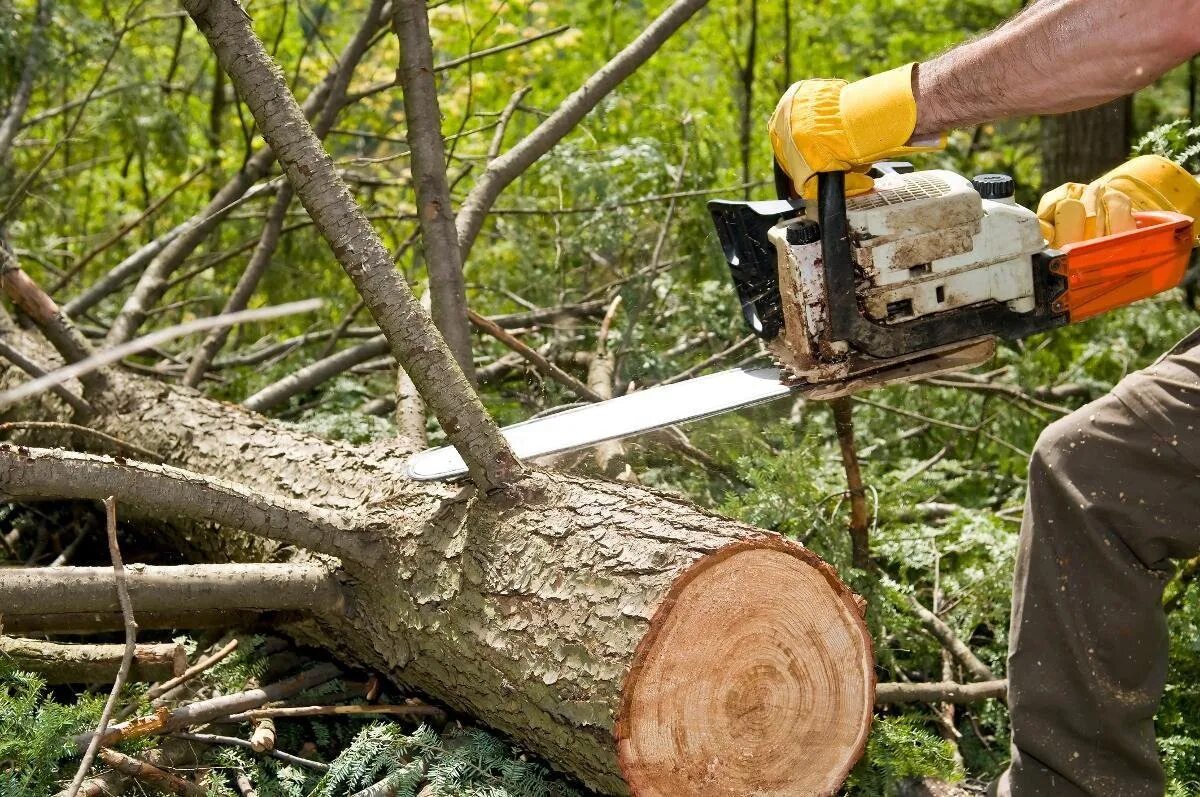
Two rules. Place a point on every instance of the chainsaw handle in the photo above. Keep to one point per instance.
(835, 233)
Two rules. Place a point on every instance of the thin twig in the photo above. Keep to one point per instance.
(114, 551)
(212, 738)
(716, 358)
(417, 710)
(537, 360)
(144, 454)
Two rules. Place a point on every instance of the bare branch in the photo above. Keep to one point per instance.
(509, 166)
(439, 240)
(163, 491)
(535, 359)
(150, 775)
(413, 338)
(247, 283)
(172, 588)
(888, 694)
(83, 409)
(414, 710)
(325, 100)
(34, 51)
(156, 692)
(117, 353)
(90, 664)
(315, 373)
(131, 629)
(860, 530)
(502, 124)
(945, 635)
(204, 711)
(233, 741)
(41, 309)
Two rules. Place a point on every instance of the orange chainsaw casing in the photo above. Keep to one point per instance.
(1116, 270)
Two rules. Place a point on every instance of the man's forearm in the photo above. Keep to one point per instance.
(1057, 56)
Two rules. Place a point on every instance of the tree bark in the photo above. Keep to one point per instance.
(1082, 145)
(439, 240)
(633, 641)
(92, 664)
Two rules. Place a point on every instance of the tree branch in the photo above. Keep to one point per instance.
(131, 629)
(326, 100)
(413, 338)
(315, 373)
(535, 359)
(20, 102)
(163, 491)
(502, 171)
(173, 588)
(91, 664)
(239, 299)
(888, 694)
(204, 711)
(149, 775)
(439, 240)
(946, 636)
(860, 530)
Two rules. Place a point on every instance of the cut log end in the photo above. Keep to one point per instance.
(756, 678)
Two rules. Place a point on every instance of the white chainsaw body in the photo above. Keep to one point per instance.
(923, 243)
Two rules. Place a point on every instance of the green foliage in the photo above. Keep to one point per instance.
(1178, 140)
(458, 763)
(36, 731)
(901, 748)
(232, 673)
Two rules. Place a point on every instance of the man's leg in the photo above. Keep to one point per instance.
(1113, 495)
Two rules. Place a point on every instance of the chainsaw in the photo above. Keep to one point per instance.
(921, 276)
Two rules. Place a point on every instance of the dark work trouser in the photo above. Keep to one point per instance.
(1113, 497)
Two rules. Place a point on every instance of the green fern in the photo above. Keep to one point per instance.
(1178, 141)
(900, 747)
(247, 663)
(36, 731)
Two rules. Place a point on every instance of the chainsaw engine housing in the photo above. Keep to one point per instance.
(924, 278)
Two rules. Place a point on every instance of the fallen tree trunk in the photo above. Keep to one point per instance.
(632, 640)
(92, 664)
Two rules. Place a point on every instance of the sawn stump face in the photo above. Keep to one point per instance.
(757, 679)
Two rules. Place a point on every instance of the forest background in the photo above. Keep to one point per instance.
(616, 209)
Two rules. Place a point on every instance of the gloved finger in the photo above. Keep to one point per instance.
(1047, 230)
(1049, 203)
(1070, 222)
(783, 144)
(1114, 212)
(858, 183)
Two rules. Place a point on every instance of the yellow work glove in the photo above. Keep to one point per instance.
(832, 125)
(1077, 212)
